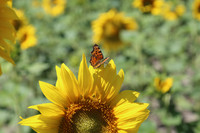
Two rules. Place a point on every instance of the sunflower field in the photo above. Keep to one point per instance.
(143, 74)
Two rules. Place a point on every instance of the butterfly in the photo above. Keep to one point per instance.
(97, 59)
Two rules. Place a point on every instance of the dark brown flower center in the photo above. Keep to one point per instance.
(198, 9)
(88, 116)
(24, 37)
(111, 29)
(147, 2)
(17, 24)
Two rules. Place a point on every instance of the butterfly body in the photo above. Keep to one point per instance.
(97, 59)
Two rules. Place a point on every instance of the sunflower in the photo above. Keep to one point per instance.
(90, 104)
(149, 6)
(108, 26)
(196, 9)
(172, 14)
(163, 86)
(22, 21)
(54, 7)
(26, 37)
(7, 31)
(25, 31)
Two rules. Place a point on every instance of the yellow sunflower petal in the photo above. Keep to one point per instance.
(6, 56)
(131, 115)
(6, 34)
(74, 81)
(6, 26)
(69, 86)
(85, 79)
(166, 85)
(134, 130)
(103, 77)
(5, 45)
(60, 84)
(126, 95)
(7, 13)
(49, 109)
(109, 71)
(116, 84)
(58, 73)
(42, 122)
(65, 83)
(7, 31)
(39, 130)
(127, 107)
(53, 94)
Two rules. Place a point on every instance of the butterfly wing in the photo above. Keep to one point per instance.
(93, 60)
(99, 63)
(97, 59)
(97, 52)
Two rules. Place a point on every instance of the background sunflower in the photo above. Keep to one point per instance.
(54, 7)
(196, 9)
(108, 27)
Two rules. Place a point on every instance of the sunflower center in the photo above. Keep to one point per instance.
(111, 30)
(54, 2)
(198, 9)
(88, 116)
(24, 37)
(147, 2)
(17, 24)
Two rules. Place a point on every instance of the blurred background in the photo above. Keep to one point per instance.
(155, 42)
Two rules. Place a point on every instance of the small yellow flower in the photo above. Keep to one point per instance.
(108, 26)
(26, 37)
(196, 9)
(149, 6)
(91, 104)
(54, 7)
(172, 14)
(7, 31)
(163, 86)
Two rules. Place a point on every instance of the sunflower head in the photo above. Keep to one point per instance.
(26, 37)
(149, 6)
(196, 9)
(91, 103)
(108, 26)
(54, 7)
(163, 85)
(170, 13)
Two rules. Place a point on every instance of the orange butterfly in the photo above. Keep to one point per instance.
(97, 59)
